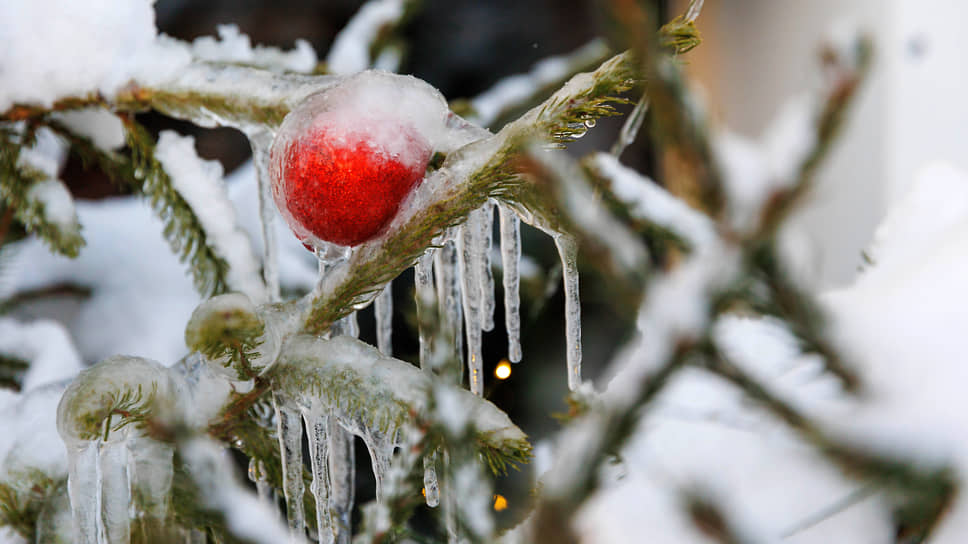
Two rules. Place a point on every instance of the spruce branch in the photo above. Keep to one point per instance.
(23, 189)
(142, 173)
(680, 134)
(708, 516)
(12, 370)
(206, 93)
(848, 75)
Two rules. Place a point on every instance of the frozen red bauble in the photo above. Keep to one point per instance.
(345, 160)
(341, 188)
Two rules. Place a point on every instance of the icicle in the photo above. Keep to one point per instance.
(317, 428)
(510, 259)
(383, 310)
(450, 504)
(342, 470)
(115, 492)
(347, 326)
(380, 446)
(84, 488)
(289, 429)
(431, 486)
(426, 297)
(568, 251)
(446, 263)
(257, 475)
(260, 140)
(631, 127)
(487, 274)
(470, 260)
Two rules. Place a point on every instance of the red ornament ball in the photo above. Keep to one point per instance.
(342, 164)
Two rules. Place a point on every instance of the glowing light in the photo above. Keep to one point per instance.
(503, 370)
(500, 503)
(423, 491)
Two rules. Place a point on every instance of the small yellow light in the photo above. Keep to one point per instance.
(503, 370)
(500, 503)
(423, 491)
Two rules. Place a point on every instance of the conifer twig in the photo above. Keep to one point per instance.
(143, 174)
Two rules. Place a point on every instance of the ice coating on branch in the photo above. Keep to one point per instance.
(86, 410)
(238, 340)
(471, 267)
(45, 345)
(350, 51)
(568, 252)
(233, 46)
(342, 386)
(511, 278)
(383, 311)
(201, 184)
(58, 48)
(373, 389)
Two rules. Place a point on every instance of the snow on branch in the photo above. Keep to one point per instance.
(357, 46)
(45, 346)
(202, 186)
(514, 92)
(31, 192)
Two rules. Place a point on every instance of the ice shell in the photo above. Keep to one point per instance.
(99, 393)
(344, 160)
(231, 319)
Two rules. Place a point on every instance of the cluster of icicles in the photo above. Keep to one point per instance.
(120, 474)
(456, 275)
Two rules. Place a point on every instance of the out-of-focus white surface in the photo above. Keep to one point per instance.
(910, 111)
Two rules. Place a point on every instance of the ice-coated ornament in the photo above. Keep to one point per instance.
(347, 157)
